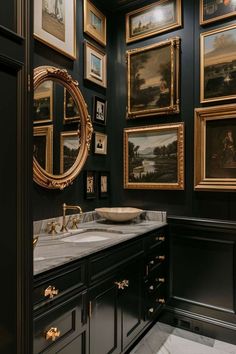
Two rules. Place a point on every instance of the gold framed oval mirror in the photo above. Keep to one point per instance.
(62, 128)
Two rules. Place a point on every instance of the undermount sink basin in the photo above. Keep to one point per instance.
(119, 214)
(90, 236)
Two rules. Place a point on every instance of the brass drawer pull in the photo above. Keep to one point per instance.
(161, 301)
(52, 334)
(161, 258)
(160, 238)
(51, 291)
(161, 280)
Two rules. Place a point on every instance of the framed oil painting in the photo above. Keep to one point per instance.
(215, 148)
(215, 10)
(161, 16)
(43, 103)
(153, 79)
(70, 144)
(43, 147)
(94, 23)
(55, 25)
(154, 157)
(90, 184)
(100, 143)
(103, 184)
(100, 110)
(71, 112)
(95, 65)
(218, 70)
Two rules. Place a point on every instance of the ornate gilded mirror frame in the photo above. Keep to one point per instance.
(40, 175)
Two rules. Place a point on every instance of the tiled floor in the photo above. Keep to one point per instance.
(164, 339)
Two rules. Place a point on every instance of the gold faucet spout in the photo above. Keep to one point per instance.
(66, 207)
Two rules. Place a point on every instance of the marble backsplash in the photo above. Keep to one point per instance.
(42, 226)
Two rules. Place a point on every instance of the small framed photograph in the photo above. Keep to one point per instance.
(90, 184)
(43, 103)
(94, 23)
(71, 112)
(100, 110)
(215, 148)
(154, 157)
(215, 10)
(95, 65)
(218, 57)
(55, 25)
(103, 184)
(153, 79)
(70, 144)
(159, 17)
(100, 143)
(43, 147)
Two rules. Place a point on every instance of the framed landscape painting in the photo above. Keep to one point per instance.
(161, 16)
(95, 65)
(153, 79)
(154, 157)
(70, 144)
(214, 10)
(55, 25)
(43, 103)
(215, 148)
(218, 64)
(43, 147)
(94, 23)
(71, 112)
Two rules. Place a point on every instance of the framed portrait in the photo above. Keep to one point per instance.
(103, 184)
(100, 143)
(94, 23)
(43, 103)
(43, 147)
(100, 110)
(95, 65)
(70, 144)
(159, 17)
(154, 157)
(71, 112)
(55, 25)
(153, 79)
(90, 184)
(214, 10)
(215, 148)
(218, 57)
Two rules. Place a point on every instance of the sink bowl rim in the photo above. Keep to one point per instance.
(118, 214)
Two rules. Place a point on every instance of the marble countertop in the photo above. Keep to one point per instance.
(90, 237)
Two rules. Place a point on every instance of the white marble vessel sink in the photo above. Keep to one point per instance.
(119, 214)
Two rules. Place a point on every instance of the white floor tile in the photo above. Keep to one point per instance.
(228, 348)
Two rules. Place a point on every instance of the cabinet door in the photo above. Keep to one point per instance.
(105, 322)
(132, 301)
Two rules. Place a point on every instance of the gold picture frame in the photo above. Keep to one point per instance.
(43, 150)
(153, 79)
(150, 20)
(217, 57)
(72, 146)
(43, 103)
(56, 26)
(214, 152)
(95, 68)
(216, 11)
(154, 157)
(95, 23)
(71, 111)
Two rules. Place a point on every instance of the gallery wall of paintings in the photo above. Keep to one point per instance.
(72, 35)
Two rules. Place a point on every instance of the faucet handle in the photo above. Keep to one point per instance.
(52, 227)
(75, 220)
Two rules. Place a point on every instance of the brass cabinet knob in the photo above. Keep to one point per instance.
(151, 310)
(160, 238)
(161, 301)
(51, 291)
(125, 283)
(152, 262)
(151, 287)
(160, 258)
(161, 280)
(121, 285)
(52, 334)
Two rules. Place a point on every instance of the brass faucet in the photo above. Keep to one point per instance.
(66, 207)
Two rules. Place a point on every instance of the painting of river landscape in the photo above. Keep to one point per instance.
(218, 64)
(154, 157)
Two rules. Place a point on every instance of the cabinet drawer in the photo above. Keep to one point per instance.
(155, 261)
(58, 283)
(159, 277)
(155, 301)
(156, 239)
(109, 261)
(59, 326)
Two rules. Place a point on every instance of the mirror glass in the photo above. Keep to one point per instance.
(62, 130)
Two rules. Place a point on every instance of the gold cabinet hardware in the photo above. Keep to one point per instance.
(161, 301)
(151, 310)
(52, 334)
(121, 285)
(161, 280)
(160, 258)
(125, 283)
(51, 291)
(160, 238)
(152, 262)
(151, 287)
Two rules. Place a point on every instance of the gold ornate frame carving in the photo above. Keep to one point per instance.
(225, 117)
(174, 46)
(42, 177)
(178, 129)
